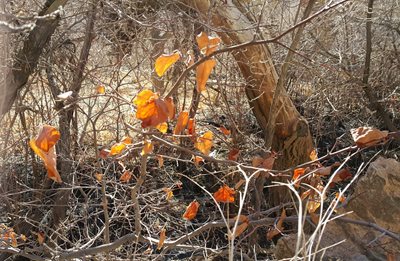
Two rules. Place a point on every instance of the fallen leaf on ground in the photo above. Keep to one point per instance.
(366, 136)
(225, 194)
(278, 228)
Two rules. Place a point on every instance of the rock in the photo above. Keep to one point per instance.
(376, 199)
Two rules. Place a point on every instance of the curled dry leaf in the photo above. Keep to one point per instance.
(181, 123)
(160, 161)
(44, 147)
(278, 228)
(99, 177)
(204, 142)
(203, 71)
(197, 160)
(126, 177)
(169, 194)
(101, 89)
(297, 173)
(191, 127)
(127, 140)
(169, 101)
(65, 95)
(151, 109)
(225, 194)
(225, 131)
(240, 228)
(117, 148)
(313, 203)
(207, 44)
(147, 147)
(191, 210)
(234, 154)
(40, 237)
(314, 155)
(165, 61)
(366, 136)
(162, 239)
(162, 127)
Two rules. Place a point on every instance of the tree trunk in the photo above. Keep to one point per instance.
(292, 138)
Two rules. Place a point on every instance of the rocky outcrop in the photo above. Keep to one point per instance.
(375, 199)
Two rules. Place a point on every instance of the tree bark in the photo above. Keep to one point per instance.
(28, 57)
(291, 138)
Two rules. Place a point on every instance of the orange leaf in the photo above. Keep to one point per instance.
(197, 160)
(341, 175)
(234, 154)
(100, 89)
(305, 194)
(314, 218)
(43, 146)
(191, 210)
(342, 199)
(278, 228)
(207, 45)
(171, 107)
(225, 131)
(117, 148)
(204, 142)
(169, 193)
(297, 173)
(40, 237)
(183, 119)
(239, 230)
(165, 61)
(365, 136)
(313, 203)
(314, 155)
(147, 148)
(99, 177)
(47, 138)
(224, 194)
(162, 127)
(151, 110)
(127, 140)
(162, 239)
(104, 153)
(126, 177)
(160, 161)
(203, 71)
(191, 127)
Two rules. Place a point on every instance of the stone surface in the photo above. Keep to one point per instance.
(376, 199)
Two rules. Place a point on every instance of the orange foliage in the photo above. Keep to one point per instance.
(43, 146)
(204, 142)
(203, 71)
(183, 119)
(225, 194)
(191, 210)
(165, 61)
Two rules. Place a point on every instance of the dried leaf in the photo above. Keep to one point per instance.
(126, 177)
(203, 71)
(43, 146)
(104, 153)
(40, 237)
(117, 148)
(162, 239)
(169, 101)
(242, 218)
(207, 44)
(165, 61)
(234, 154)
(197, 160)
(366, 136)
(342, 175)
(341, 199)
(204, 142)
(314, 155)
(305, 194)
(278, 228)
(257, 161)
(162, 127)
(224, 194)
(314, 218)
(127, 140)
(151, 110)
(99, 177)
(297, 173)
(181, 123)
(313, 203)
(147, 147)
(239, 230)
(169, 194)
(191, 210)
(191, 127)
(225, 131)
(160, 161)
(101, 89)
